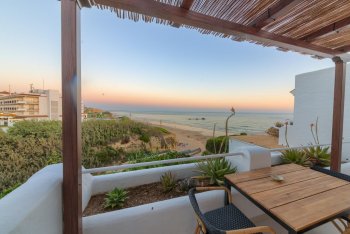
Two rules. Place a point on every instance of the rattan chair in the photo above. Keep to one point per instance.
(225, 220)
(343, 224)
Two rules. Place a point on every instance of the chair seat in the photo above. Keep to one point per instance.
(228, 218)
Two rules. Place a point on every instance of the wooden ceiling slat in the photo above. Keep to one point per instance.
(274, 12)
(332, 28)
(193, 19)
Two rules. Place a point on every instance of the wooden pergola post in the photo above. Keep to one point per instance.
(338, 113)
(71, 117)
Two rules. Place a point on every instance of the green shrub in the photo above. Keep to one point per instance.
(115, 198)
(215, 170)
(243, 134)
(318, 156)
(21, 157)
(168, 182)
(162, 130)
(206, 152)
(8, 190)
(107, 155)
(140, 156)
(38, 129)
(145, 137)
(279, 124)
(217, 145)
(295, 156)
(32, 145)
(125, 139)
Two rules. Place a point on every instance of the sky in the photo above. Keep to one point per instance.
(146, 66)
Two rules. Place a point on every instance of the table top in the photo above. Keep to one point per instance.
(304, 198)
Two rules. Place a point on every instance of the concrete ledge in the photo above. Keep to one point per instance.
(106, 183)
(36, 206)
(172, 216)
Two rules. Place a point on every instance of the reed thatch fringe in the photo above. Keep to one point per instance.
(303, 18)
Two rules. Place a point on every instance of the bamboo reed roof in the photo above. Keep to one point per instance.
(320, 28)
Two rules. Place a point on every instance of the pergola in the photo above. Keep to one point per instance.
(320, 28)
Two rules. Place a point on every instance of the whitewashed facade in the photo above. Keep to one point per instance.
(313, 98)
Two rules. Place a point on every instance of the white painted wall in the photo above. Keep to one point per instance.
(36, 206)
(314, 98)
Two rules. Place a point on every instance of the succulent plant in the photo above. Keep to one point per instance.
(116, 198)
(168, 181)
(295, 156)
(318, 155)
(215, 170)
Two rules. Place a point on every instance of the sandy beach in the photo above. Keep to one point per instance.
(190, 138)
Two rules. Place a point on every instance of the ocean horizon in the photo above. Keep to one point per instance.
(247, 122)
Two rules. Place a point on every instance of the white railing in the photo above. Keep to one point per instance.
(160, 162)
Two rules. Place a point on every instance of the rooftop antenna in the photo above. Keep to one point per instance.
(9, 89)
(43, 84)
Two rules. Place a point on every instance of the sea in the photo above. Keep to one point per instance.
(241, 122)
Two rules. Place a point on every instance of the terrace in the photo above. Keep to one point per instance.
(52, 201)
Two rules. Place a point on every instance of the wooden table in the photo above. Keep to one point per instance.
(303, 201)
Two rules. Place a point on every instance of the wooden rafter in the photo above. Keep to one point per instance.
(332, 28)
(277, 10)
(186, 4)
(344, 49)
(179, 15)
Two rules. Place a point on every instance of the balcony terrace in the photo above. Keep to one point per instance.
(53, 199)
(35, 207)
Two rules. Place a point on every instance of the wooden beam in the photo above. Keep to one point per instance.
(182, 16)
(338, 113)
(71, 117)
(277, 10)
(329, 29)
(344, 49)
(186, 4)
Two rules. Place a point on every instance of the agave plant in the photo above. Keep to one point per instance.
(168, 181)
(295, 156)
(318, 155)
(116, 198)
(215, 170)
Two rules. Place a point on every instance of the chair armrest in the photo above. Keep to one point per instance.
(229, 195)
(252, 230)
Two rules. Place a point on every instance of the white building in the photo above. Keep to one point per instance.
(313, 98)
(36, 104)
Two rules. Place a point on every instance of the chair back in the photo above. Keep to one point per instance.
(210, 229)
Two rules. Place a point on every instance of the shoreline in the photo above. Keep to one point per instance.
(190, 138)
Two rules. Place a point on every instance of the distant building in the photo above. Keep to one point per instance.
(36, 104)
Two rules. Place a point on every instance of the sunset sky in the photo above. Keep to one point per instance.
(128, 65)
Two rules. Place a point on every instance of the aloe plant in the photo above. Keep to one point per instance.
(116, 198)
(215, 170)
(295, 156)
(168, 181)
(318, 155)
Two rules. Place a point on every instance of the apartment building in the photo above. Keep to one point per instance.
(36, 104)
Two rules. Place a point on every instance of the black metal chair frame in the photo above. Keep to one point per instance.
(205, 226)
(344, 219)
